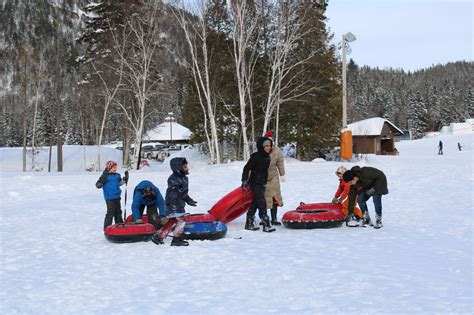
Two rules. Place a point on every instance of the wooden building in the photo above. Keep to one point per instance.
(374, 136)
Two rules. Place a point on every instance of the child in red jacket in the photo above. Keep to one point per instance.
(342, 196)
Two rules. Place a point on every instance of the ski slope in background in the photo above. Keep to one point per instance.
(55, 259)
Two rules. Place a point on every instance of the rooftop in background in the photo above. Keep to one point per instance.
(168, 131)
(370, 127)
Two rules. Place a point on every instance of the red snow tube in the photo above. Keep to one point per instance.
(129, 233)
(199, 217)
(232, 205)
(314, 216)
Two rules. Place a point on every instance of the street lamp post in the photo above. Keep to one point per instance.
(346, 38)
(170, 114)
(346, 135)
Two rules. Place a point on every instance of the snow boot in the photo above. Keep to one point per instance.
(250, 224)
(266, 225)
(178, 241)
(352, 221)
(378, 222)
(274, 215)
(157, 239)
(366, 220)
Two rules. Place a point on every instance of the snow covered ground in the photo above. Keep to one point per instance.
(55, 259)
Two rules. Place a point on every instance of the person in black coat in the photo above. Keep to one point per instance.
(440, 147)
(175, 200)
(367, 182)
(255, 174)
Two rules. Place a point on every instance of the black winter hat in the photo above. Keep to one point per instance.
(348, 175)
(148, 193)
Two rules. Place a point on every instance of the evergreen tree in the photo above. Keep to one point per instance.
(313, 121)
(417, 116)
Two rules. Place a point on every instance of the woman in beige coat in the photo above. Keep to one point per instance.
(276, 172)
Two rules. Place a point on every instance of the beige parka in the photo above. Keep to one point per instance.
(275, 170)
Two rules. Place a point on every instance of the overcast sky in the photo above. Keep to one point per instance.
(408, 34)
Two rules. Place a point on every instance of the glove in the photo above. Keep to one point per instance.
(163, 219)
(192, 203)
(125, 178)
(334, 200)
(282, 179)
(244, 185)
(371, 191)
(139, 221)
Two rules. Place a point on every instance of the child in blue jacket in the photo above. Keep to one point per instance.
(176, 199)
(110, 182)
(147, 195)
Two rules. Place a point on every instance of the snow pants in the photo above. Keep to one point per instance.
(345, 209)
(177, 223)
(363, 197)
(258, 202)
(114, 212)
(152, 214)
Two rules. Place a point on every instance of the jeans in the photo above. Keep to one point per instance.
(377, 199)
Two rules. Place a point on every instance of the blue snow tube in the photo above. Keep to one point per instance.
(204, 230)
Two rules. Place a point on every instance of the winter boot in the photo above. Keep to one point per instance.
(378, 222)
(274, 215)
(352, 221)
(178, 241)
(366, 220)
(266, 225)
(250, 224)
(157, 239)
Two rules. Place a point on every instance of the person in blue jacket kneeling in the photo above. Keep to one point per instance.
(147, 195)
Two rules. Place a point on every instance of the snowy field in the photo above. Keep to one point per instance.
(55, 259)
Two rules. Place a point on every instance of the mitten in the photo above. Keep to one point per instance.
(163, 219)
(102, 180)
(139, 221)
(192, 203)
(282, 179)
(371, 191)
(244, 185)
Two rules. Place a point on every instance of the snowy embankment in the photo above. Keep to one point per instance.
(55, 259)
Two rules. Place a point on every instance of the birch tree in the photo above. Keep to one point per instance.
(136, 46)
(196, 35)
(244, 23)
(285, 82)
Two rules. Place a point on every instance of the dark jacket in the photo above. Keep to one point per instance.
(257, 165)
(370, 177)
(110, 184)
(138, 199)
(177, 192)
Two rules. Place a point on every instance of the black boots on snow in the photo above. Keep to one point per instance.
(157, 239)
(178, 241)
(250, 224)
(274, 215)
(266, 225)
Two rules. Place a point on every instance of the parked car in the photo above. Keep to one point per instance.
(147, 151)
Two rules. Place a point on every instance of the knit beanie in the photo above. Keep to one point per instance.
(348, 175)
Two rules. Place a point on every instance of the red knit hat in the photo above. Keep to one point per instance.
(269, 134)
(109, 165)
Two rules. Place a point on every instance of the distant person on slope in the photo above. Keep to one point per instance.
(255, 174)
(342, 196)
(147, 195)
(440, 148)
(110, 182)
(370, 182)
(276, 174)
(176, 199)
(459, 146)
